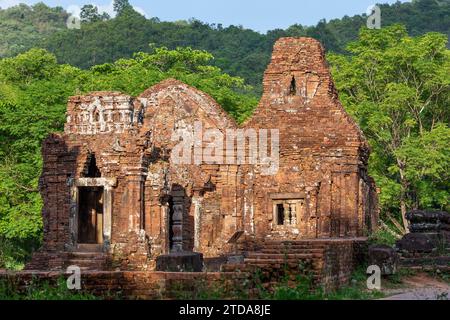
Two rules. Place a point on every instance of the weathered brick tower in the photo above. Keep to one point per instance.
(112, 192)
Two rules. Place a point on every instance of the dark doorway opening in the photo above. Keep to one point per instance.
(293, 87)
(171, 211)
(91, 169)
(90, 215)
(280, 214)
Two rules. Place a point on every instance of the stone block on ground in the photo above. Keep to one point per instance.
(385, 257)
(180, 262)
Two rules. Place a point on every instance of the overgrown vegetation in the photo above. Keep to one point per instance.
(300, 288)
(440, 275)
(23, 27)
(41, 290)
(397, 88)
(382, 236)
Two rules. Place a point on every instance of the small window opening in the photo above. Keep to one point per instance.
(280, 214)
(92, 171)
(293, 88)
(97, 116)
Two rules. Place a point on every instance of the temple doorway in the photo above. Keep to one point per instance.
(90, 215)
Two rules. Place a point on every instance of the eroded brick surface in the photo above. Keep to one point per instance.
(119, 147)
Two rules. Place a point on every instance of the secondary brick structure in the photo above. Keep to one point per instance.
(114, 199)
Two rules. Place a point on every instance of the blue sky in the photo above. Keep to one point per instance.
(260, 15)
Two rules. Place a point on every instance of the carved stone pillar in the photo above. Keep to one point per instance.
(286, 214)
(196, 201)
(107, 216)
(177, 227)
(293, 214)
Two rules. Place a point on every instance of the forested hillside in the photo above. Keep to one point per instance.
(23, 27)
(238, 51)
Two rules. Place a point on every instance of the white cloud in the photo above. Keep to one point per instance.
(11, 3)
(141, 11)
(74, 10)
(109, 9)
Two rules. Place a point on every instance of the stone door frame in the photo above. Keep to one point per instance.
(108, 185)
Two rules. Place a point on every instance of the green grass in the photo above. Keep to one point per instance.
(357, 290)
(303, 289)
(382, 237)
(41, 290)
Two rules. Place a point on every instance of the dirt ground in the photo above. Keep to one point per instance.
(420, 286)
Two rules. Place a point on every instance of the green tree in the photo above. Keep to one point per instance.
(122, 6)
(89, 13)
(23, 27)
(397, 87)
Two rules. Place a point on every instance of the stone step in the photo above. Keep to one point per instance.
(83, 262)
(273, 268)
(87, 255)
(85, 247)
(289, 256)
(250, 267)
(272, 261)
(290, 243)
(88, 267)
(428, 261)
(87, 261)
(434, 268)
(291, 251)
(292, 247)
(277, 264)
(78, 259)
(234, 267)
(294, 243)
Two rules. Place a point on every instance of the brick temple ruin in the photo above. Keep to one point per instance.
(113, 199)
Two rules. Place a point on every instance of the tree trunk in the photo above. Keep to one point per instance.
(403, 197)
(403, 211)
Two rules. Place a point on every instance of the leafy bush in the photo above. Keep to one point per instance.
(11, 255)
(382, 237)
(38, 290)
(303, 288)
